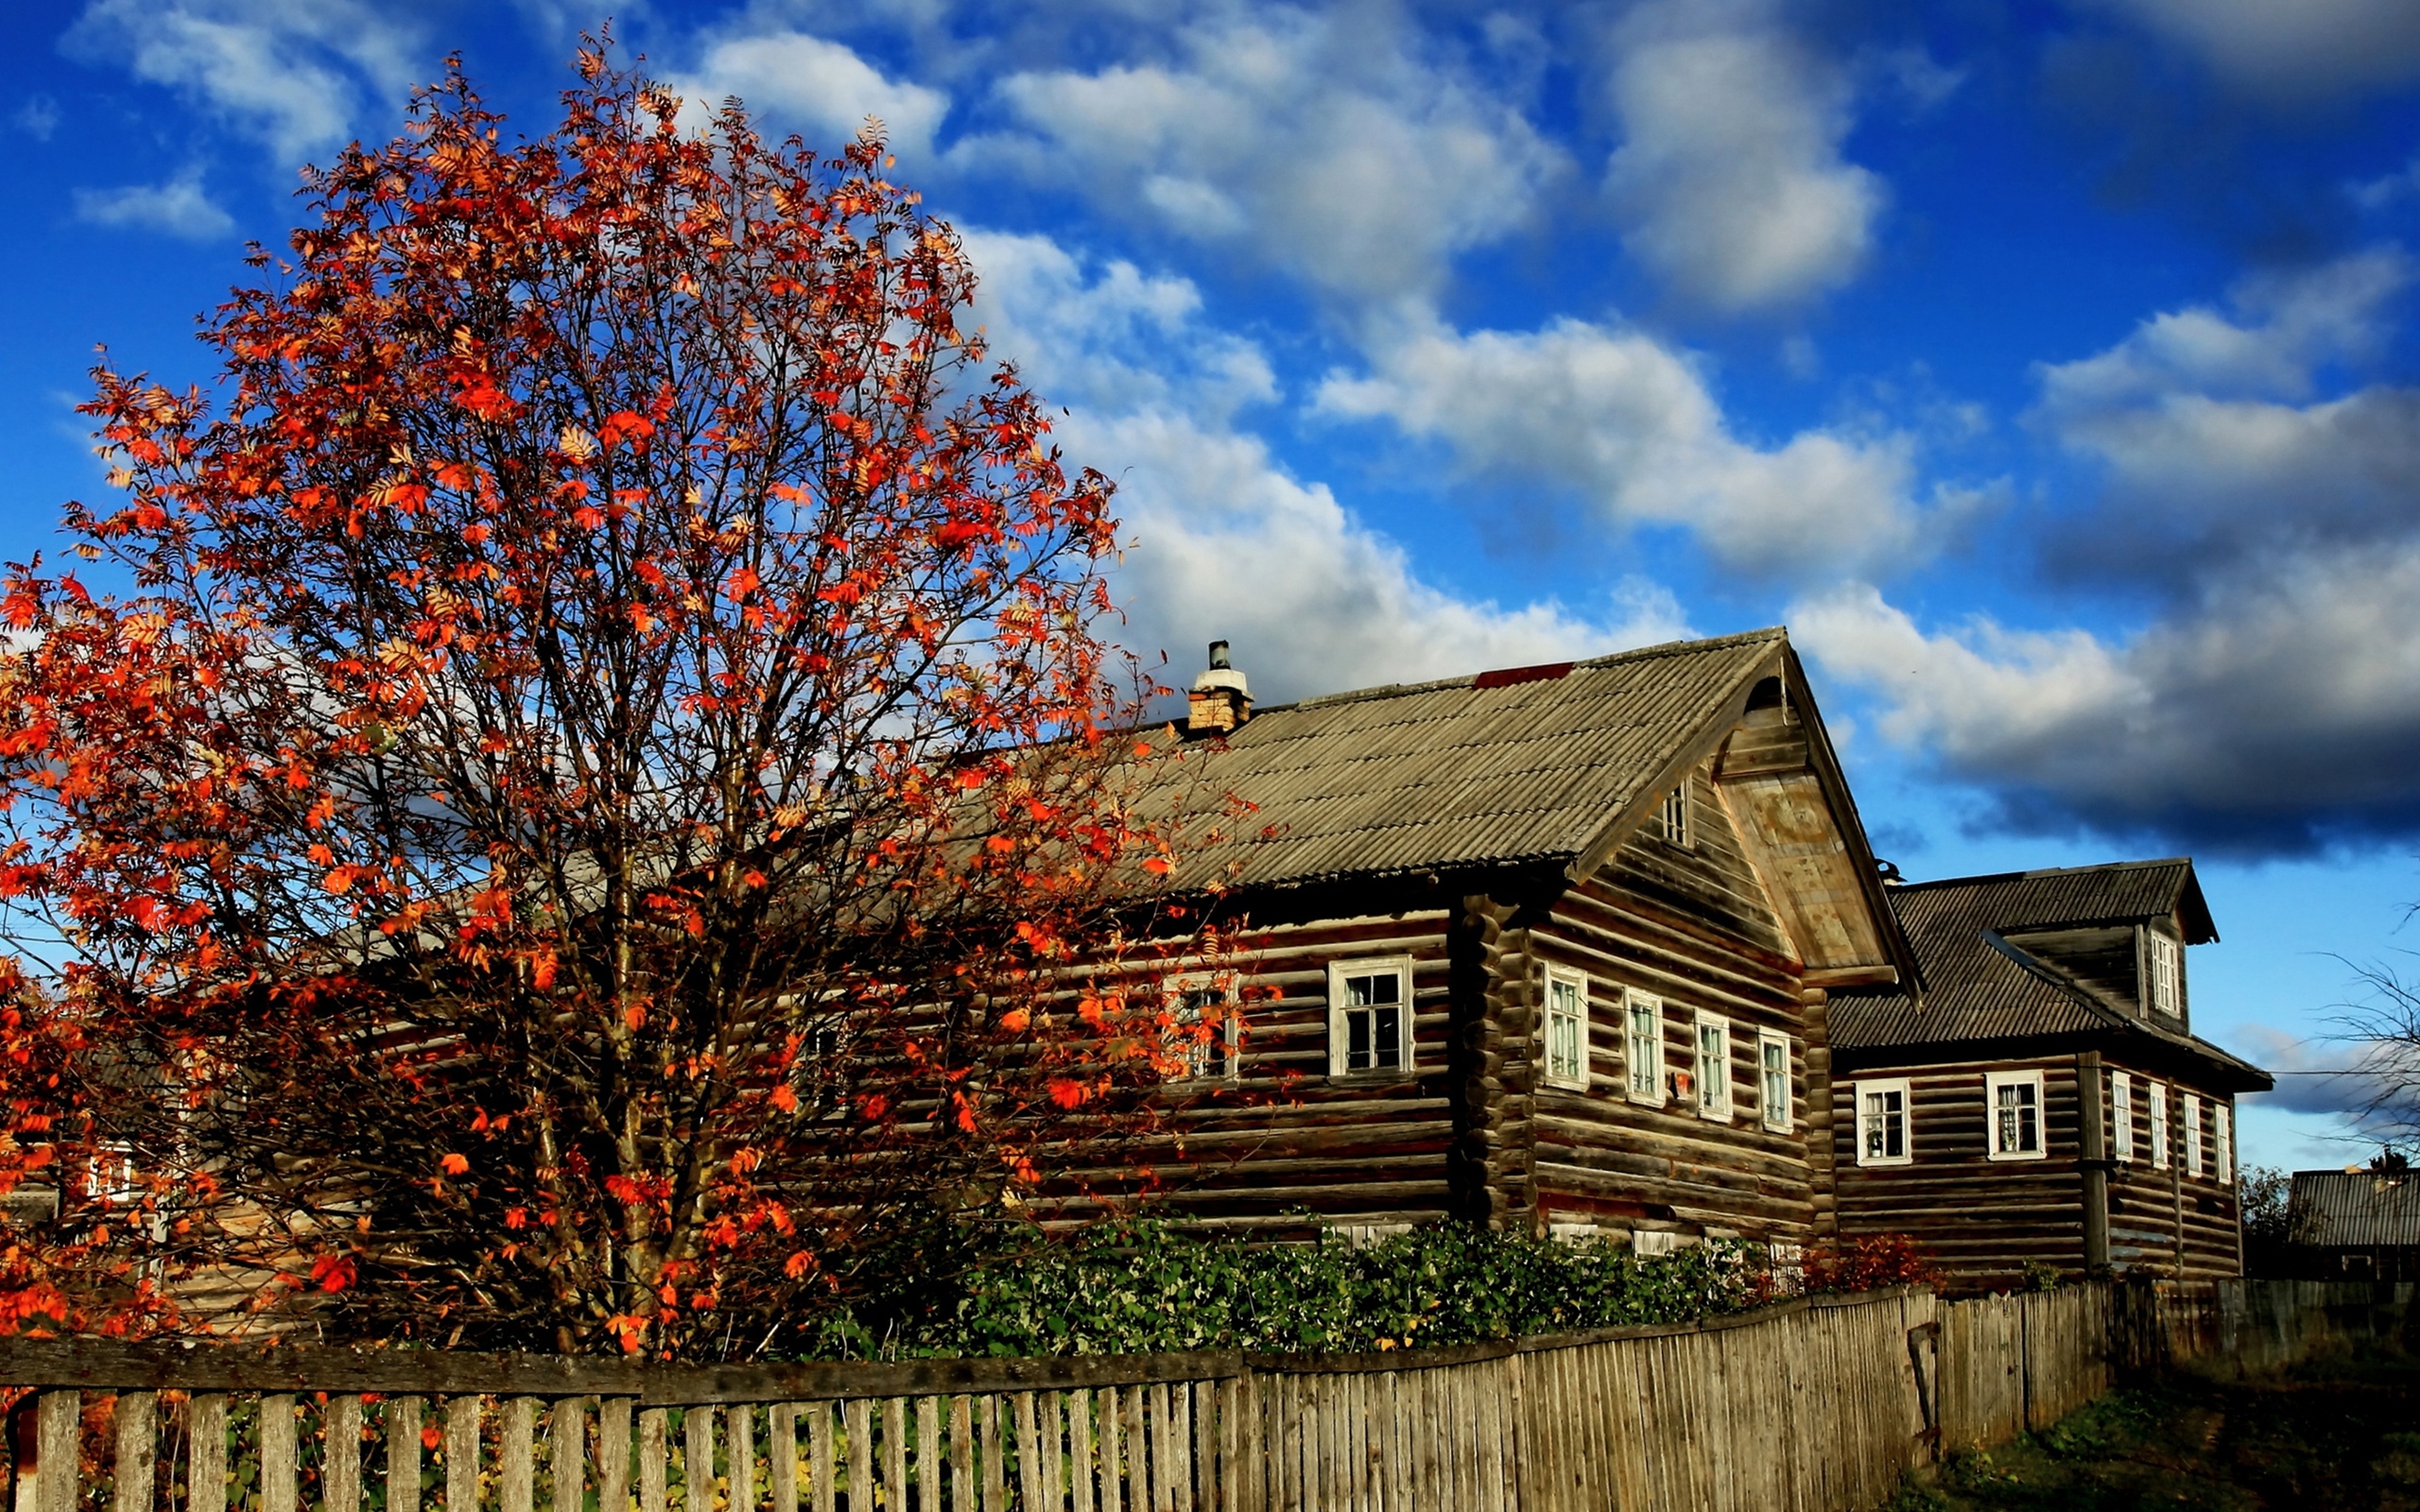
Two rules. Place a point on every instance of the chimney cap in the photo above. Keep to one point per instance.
(1221, 673)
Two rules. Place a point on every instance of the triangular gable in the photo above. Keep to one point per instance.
(1788, 800)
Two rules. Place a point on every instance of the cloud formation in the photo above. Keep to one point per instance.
(1730, 179)
(288, 72)
(1228, 542)
(2289, 52)
(179, 208)
(815, 86)
(2219, 436)
(1629, 426)
(2273, 714)
(1335, 145)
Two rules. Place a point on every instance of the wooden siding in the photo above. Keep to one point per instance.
(1984, 1219)
(2102, 961)
(1286, 1148)
(2166, 1222)
(1694, 926)
(1981, 1219)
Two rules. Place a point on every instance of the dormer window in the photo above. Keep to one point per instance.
(2166, 971)
(1676, 814)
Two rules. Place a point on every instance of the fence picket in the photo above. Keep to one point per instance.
(613, 1454)
(206, 1455)
(138, 1453)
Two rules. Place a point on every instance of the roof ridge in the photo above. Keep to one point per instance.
(2045, 872)
(1644, 653)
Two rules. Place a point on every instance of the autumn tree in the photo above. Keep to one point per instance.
(584, 822)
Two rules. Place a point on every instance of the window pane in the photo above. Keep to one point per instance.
(1362, 991)
(1357, 1041)
(1389, 1049)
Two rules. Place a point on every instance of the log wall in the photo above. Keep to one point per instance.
(1983, 1220)
(1694, 926)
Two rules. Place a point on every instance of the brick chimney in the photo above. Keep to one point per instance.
(1221, 700)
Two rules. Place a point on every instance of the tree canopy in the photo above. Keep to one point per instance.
(589, 818)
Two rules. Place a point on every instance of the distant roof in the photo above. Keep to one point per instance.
(1982, 988)
(1528, 765)
(2357, 1209)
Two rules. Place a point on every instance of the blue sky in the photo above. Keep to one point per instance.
(2049, 367)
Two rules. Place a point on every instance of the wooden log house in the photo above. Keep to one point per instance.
(1547, 948)
(2046, 1101)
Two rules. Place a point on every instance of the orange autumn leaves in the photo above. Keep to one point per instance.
(589, 822)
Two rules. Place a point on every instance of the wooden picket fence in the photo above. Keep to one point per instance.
(1813, 1404)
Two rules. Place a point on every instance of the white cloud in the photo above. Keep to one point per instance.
(1230, 545)
(1631, 425)
(2290, 51)
(1730, 179)
(2275, 710)
(819, 86)
(1227, 542)
(1325, 143)
(38, 117)
(286, 72)
(179, 208)
(2217, 436)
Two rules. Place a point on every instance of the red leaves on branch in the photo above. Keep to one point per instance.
(586, 826)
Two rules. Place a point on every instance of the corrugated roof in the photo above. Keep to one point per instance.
(1493, 769)
(1981, 988)
(2117, 891)
(2356, 1208)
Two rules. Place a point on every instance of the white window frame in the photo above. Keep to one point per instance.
(1779, 1113)
(1713, 1089)
(2223, 1138)
(1859, 1092)
(2192, 1131)
(1675, 816)
(2121, 1117)
(1643, 1083)
(1994, 1133)
(2155, 1101)
(1339, 1047)
(1646, 1242)
(1565, 1061)
(2167, 961)
(1178, 992)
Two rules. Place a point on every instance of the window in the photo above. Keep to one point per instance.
(1713, 1066)
(2013, 1099)
(1772, 1079)
(1644, 1057)
(1645, 1242)
(1369, 1017)
(821, 1078)
(2164, 972)
(2191, 1134)
(1676, 814)
(2157, 1094)
(1881, 1122)
(2121, 1115)
(1566, 1027)
(1203, 1033)
(2222, 1136)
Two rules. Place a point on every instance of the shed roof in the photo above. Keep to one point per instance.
(1524, 765)
(2353, 1209)
(1982, 988)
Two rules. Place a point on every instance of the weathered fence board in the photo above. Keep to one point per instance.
(1812, 1405)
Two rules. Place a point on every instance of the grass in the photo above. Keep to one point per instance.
(2340, 1433)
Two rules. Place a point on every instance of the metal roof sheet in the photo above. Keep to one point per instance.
(2356, 1208)
(1980, 988)
(1469, 772)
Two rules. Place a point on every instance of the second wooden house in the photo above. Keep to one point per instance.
(2046, 1104)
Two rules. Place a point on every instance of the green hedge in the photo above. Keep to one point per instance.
(1144, 1286)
